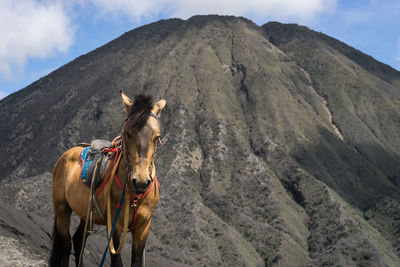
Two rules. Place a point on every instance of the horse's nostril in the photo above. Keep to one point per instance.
(143, 184)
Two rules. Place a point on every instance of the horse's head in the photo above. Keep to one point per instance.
(139, 138)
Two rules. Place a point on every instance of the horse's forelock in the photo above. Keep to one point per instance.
(138, 113)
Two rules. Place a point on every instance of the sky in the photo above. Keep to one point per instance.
(39, 36)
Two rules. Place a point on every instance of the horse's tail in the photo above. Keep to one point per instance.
(54, 228)
(53, 251)
(60, 248)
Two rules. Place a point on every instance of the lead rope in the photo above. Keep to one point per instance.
(126, 214)
(111, 228)
(111, 231)
(89, 215)
(121, 201)
(126, 222)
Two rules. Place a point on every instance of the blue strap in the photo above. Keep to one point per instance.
(121, 202)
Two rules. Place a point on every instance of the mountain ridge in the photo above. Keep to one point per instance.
(367, 62)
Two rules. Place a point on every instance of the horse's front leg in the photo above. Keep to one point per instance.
(138, 254)
(139, 237)
(116, 260)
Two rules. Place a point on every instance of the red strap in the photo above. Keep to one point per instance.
(116, 151)
(106, 181)
(134, 216)
(119, 182)
(147, 192)
(135, 201)
(111, 149)
(102, 186)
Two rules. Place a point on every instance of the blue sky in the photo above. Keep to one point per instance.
(39, 36)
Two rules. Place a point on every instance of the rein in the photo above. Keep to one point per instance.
(110, 230)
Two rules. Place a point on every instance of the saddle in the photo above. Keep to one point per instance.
(94, 162)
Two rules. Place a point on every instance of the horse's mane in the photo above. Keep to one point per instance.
(138, 114)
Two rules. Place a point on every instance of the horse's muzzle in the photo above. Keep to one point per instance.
(140, 187)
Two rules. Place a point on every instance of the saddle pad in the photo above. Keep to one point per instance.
(87, 160)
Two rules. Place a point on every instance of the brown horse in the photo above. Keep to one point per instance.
(139, 137)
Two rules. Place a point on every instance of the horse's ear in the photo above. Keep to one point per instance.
(126, 100)
(158, 106)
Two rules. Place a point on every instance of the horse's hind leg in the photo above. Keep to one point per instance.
(77, 239)
(61, 244)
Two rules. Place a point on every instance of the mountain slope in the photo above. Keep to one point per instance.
(281, 144)
(365, 107)
(366, 110)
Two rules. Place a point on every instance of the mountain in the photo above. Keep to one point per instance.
(281, 144)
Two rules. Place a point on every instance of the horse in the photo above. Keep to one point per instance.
(138, 143)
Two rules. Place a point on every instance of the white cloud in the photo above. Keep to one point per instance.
(31, 29)
(43, 28)
(302, 10)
